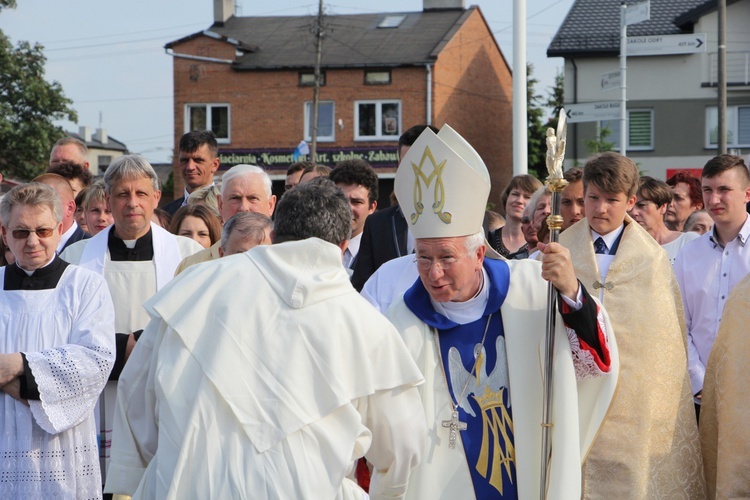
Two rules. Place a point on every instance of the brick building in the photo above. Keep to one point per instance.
(251, 79)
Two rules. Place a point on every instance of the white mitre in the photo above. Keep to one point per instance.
(442, 186)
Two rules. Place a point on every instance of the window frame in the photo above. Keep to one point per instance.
(733, 120)
(378, 120)
(307, 116)
(312, 74)
(209, 111)
(374, 71)
(615, 138)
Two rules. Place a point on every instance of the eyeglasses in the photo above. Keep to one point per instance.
(445, 263)
(41, 232)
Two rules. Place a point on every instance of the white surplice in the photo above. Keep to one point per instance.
(265, 375)
(49, 449)
(130, 283)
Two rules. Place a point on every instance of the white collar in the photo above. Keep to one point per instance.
(610, 237)
(354, 244)
(66, 236)
(467, 311)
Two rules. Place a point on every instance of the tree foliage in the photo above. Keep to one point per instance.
(555, 100)
(28, 106)
(536, 146)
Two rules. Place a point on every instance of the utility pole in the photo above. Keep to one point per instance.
(316, 89)
(722, 11)
(623, 76)
(520, 86)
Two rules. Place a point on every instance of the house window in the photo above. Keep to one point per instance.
(307, 79)
(640, 130)
(326, 114)
(377, 77)
(377, 120)
(102, 162)
(738, 127)
(213, 117)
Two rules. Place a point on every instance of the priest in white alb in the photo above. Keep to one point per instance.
(136, 258)
(265, 375)
(58, 347)
(475, 327)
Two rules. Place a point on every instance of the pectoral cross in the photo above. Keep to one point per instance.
(455, 425)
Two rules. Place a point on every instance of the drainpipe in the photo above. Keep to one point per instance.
(429, 94)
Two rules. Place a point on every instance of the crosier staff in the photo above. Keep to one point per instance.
(556, 183)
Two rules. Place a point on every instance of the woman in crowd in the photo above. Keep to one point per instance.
(686, 199)
(653, 198)
(509, 240)
(96, 212)
(198, 223)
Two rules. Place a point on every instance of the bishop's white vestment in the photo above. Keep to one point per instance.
(500, 456)
(61, 318)
(265, 375)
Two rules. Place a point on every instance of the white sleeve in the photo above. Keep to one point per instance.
(71, 376)
(399, 436)
(696, 369)
(135, 432)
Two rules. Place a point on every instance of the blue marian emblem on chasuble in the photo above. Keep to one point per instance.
(496, 454)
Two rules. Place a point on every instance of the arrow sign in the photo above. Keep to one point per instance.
(662, 45)
(592, 111)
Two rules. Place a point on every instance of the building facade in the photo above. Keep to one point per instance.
(251, 81)
(671, 98)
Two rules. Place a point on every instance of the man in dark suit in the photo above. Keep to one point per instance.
(384, 236)
(199, 161)
(71, 232)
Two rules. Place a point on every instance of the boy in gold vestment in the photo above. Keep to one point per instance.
(648, 446)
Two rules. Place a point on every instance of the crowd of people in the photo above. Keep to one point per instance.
(232, 345)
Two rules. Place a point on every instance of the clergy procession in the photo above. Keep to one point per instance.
(587, 343)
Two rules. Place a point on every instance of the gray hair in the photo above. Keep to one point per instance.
(472, 242)
(243, 170)
(32, 194)
(129, 167)
(79, 144)
(250, 226)
(534, 201)
(316, 209)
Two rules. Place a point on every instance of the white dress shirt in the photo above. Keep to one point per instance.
(352, 250)
(66, 236)
(706, 273)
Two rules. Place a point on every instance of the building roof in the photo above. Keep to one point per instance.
(350, 40)
(592, 27)
(111, 145)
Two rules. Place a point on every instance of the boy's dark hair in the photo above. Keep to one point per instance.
(197, 138)
(357, 172)
(612, 173)
(720, 164)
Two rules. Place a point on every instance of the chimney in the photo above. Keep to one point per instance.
(101, 135)
(223, 10)
(85, 133)
(443, 4)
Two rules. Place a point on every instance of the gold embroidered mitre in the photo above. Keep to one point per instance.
(442, 186)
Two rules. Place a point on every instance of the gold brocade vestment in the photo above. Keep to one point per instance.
(648, 446)
(725, 433)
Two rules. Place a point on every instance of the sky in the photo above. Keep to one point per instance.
(109, 56)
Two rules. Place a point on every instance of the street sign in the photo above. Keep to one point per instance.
(661, 45)
(612, 80)
(637, 13)
(593, 111)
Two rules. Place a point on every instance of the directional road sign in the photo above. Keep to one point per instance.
(592, 111)
(661, 45)
(611, 80)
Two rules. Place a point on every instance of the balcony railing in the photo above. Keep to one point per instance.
(738, 69)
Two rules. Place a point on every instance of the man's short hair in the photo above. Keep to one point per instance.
(573, 174)
(612, 173)
(651, 189)
(298, 166)
(251, 226)
(321, 170)
(72, 171)
(32, 194)
(95, 193)
(84, 150)
(315, 209)
(693, 183)
(243, 170)
(57, 182)
(412, 134)
(197, 138)
(524, 182)
(722, 163)
(129, 167)
(359, 173)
